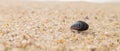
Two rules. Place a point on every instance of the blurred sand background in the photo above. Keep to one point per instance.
(45, 26)
(96, 1)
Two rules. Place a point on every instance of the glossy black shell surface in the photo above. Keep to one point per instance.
(80, 26)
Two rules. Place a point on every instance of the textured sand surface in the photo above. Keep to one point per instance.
(39, 26)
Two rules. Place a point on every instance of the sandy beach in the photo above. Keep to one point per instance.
(45, 26)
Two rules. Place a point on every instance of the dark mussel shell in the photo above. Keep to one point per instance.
(80, 26)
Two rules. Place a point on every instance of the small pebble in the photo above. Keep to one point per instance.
(86, 17)
(95, 17)
(80, 26)
(93, 49)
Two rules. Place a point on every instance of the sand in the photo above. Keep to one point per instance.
(45, 26)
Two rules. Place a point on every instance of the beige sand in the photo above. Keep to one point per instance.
(45, 26)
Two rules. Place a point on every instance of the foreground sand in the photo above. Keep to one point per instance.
(36, 26)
